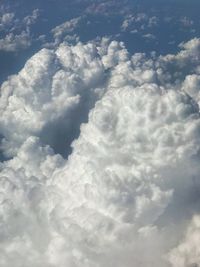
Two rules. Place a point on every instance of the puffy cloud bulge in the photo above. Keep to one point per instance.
(101, 159)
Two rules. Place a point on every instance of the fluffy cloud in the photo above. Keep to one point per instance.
(140, 21)
(12, 43)
(6, 19)
(66, 28)
(53, 87)
(14, 32)
(127, 193)
(188, 253)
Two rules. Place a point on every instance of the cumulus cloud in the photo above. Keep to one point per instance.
(66, 28)
(140, 21)
(6, 19)
(175, 68)
(186, 22)
(32, 18)
(50, 87)
(187, 253)
(12, 43)
(15, 33)
(102, 161)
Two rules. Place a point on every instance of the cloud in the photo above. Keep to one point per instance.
(12, 43)
(149, 36)
(16, 34)
(65, 29)
(102, 161)
(53, 87)
(187, 253)
(140, 21)
(6, 19)
(175, 68)
(106, 8)
(31, 19)
(186, 22)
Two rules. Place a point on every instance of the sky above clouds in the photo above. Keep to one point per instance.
(99, 133)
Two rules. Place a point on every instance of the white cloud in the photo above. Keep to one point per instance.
(191, 85)
(139, 21)
(31, 19)
(12, 42)
(130, 187)
(49, 88)
(186, 22)
(149, 36)
(188, 252)
(6, 19)
(16, 33)
(65, 28)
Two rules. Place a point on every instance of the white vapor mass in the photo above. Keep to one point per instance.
(16, 34)
(62, 31)
(101, 159)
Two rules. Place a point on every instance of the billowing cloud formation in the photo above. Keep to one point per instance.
(128, 193)
(50, 87)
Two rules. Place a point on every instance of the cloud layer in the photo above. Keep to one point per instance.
(101, 159)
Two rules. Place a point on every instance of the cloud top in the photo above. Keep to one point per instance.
(102, 158)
